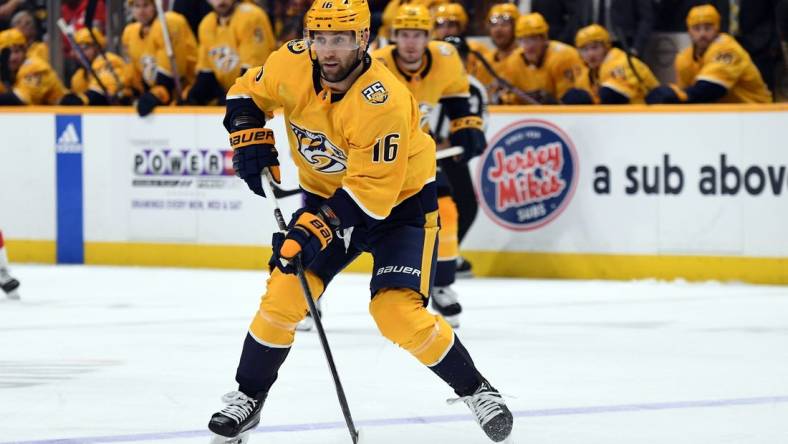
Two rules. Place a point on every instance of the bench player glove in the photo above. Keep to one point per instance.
(467, 133)
(308, 234)
(253, 150)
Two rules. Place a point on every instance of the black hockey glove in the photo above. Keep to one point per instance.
(147, 103)
(467, 133)
(254, 150)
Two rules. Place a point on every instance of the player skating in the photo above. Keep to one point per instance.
(364, 162)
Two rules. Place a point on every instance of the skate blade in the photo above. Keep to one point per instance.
(242, 438)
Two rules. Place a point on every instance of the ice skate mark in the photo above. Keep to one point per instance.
(19, 374)
(420, 420)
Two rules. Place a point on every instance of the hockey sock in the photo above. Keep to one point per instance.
(458, 370)
(259, 366)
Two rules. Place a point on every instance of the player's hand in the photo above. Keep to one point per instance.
(147, 103)
(471, 139)
(308, 234)
(253, 150)
(662, 94)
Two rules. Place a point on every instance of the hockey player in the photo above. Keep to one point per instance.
(434, 73)
(501, 21)
(233, 38)
(144, 49)
(113, 72)
(611, 75)
(28, 80)
(545, 69)
(714, 69)
(26, 24)
(7, 283)
(364, 163)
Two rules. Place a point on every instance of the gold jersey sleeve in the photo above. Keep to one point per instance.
(147, 54)
(39, 50)
(226, 49)
(617, 73)
(728, 64)
(687, 68)
(113, 73)
(79, 81)
(366, 142)
(37, 83)
(561, 65)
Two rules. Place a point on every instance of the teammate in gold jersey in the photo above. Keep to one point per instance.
(113, 73)
(434, 73)
(366, 165)
(144, 48)
(501, 20)
(545, 69)
(714, 69)
(233, 38)
(611, 76)
(25, 80)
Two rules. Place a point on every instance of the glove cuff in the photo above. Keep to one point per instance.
(680, 93)
(253, 136)
(315, 225)
(466, 122)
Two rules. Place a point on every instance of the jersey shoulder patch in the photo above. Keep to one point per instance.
(297, 46)
(375, 93)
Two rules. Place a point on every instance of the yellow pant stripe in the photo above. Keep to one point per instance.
(448, 241)
(430, 234)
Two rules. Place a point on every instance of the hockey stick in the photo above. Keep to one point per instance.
(90, 13)
(168, 48)
(451, 151)
(517, 91)
(83, 60)
(301, 273)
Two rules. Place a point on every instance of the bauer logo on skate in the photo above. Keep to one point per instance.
(527, 175)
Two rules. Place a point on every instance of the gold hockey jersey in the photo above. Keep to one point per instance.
(556, 73)
(366, 141)
(617, 74)
(245, 41)
(441, 75)
(726, 63)
(37, 83)
(147, 54)
(82, 81)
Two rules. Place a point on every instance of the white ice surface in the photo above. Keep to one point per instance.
(103, 354)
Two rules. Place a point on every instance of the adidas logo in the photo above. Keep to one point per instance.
(69, 142)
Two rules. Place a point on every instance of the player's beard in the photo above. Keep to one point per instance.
(339, 68)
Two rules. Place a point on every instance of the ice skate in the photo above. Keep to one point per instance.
(490, 411)
(464, 268)
(444, 301)
(233, 423)
(9, 285)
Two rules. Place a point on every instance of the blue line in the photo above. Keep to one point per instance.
(588, 410)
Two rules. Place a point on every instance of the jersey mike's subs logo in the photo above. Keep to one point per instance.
(315, 148)
(528, 175)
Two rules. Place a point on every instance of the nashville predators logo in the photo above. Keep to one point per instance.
(224, 58)
(375, 94)
(315, 148)
(296, 46)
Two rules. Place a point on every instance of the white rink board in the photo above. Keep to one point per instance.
(128, 197)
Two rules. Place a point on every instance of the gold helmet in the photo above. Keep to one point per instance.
(451, 12)
(503, 11)
(530, 25)
(590, 34)
(412, 16)
(703, 14)
(82, 37)
(12, 37)
(338, 15)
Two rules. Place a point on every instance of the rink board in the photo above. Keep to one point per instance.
(576, 192)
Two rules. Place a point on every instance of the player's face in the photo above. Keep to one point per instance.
(411, 44)
(90, 51)
(24, 23)
(222, 7)
(593, 54)
(446, 28)
(336, 52)
(702, 35)
(533, 47)
(502, 31)
(144, 11)
(16, 57)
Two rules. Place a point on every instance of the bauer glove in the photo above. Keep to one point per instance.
(253, 150)
(308, 234)
(467, 133)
